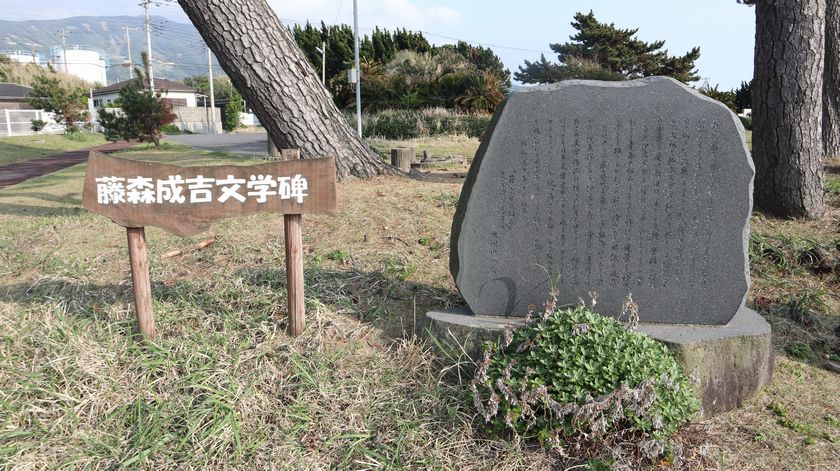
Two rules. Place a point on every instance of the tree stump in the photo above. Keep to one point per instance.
(402, 157)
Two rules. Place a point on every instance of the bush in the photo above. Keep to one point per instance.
(38, 125)
(407, 124)
(115, 125)
(75, 136)
(747, 122)
(577, 379)
(173, 130)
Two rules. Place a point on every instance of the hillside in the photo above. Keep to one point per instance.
(178, 50)
(24, 74)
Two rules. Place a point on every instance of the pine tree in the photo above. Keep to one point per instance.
(615, 50)
(144, 112)
(788, 107)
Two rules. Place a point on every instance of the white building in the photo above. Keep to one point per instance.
(182, 98)
(87, 64)
(176, 93)
(24, 57)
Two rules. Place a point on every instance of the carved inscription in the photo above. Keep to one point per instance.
(641, 189)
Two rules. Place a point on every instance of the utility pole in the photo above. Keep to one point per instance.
(323, 51)
(63, 33)
(128, 42)
(149, 45)
(34, 57)
(212, 121)
(358, 71)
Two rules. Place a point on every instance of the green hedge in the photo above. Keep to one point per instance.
(407, 124)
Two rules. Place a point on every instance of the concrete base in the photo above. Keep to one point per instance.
(730, 362)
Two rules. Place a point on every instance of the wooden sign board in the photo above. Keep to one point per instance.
(186, 200)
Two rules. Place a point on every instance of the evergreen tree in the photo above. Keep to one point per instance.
(743, 96)
(144, 112)
(723, 96)
(234, 107)
(377, 54)
(616, 51)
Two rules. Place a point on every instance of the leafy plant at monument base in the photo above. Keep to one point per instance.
(585, 386)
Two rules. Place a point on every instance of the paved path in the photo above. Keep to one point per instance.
(246, 143)
(17, 172)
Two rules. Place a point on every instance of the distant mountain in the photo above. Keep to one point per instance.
(177, 49)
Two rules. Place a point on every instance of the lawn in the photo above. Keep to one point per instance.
(17, 148)
(224, 387)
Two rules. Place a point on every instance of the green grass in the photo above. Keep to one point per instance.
(832, 185)
(18, 148)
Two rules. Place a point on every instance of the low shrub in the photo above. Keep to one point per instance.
(408, 124)
(75, 136)
(38, 125)
(578, 381)
(173, 130)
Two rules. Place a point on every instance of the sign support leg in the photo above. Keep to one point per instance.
(293, 228)
(139, 260)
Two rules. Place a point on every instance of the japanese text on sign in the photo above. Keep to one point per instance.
(177, 190)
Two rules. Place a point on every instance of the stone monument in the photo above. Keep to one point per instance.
(641, 187)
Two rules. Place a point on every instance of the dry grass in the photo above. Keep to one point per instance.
(24, 74)
(224, 387)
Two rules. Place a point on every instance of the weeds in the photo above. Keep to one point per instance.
(832, 186)
(783, 419)
(799, 350)
(446, 200)
(790, 254)
(802, 307)
(339, 256)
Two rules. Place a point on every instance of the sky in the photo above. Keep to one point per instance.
(517, 31)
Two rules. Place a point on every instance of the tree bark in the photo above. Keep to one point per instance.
(788, 107)
(831, 84)
(264, 63)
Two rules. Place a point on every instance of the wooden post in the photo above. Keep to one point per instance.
(139, 260)
(402, 158)
(293, 227)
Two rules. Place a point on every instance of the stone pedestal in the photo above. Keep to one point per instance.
(731, 362)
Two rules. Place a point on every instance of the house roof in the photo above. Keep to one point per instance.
(13, 91)
(168, 85)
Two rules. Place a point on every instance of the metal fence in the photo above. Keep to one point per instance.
(19, 122)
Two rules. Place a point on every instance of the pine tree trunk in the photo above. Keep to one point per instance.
(831, 90)
(265, 64)
(788, 107)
